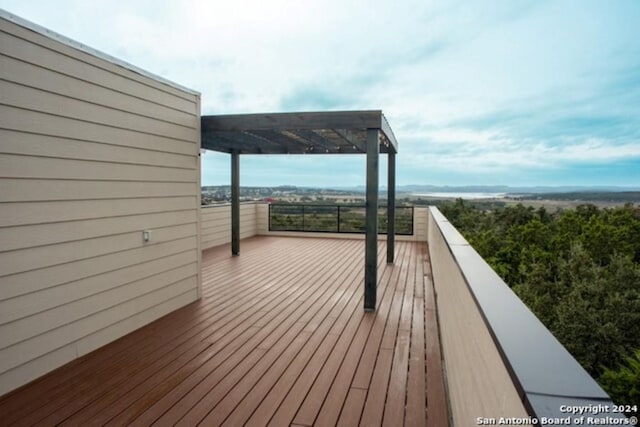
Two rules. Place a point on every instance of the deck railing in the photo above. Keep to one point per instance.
(335, 218)
(482, 321)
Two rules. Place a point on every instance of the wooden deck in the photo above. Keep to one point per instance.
(280, 337)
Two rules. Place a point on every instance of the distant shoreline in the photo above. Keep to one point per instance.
(461, 195)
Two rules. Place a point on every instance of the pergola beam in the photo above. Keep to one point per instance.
(337, 132)
(302, 120)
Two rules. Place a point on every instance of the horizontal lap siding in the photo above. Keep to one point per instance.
(91, 154)
(216, 224)
(420, 223)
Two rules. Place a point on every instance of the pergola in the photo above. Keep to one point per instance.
(340, 132)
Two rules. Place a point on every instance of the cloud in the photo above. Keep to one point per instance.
(472, 90)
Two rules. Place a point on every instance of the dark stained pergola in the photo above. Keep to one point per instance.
(335, 132)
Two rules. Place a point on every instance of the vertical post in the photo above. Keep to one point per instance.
(391, 205)
(371, 239)
(235, 203)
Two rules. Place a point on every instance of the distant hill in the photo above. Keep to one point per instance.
(415, 188)
(510, 190)
(586, 196)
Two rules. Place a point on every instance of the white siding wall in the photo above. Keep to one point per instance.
(216, 223)
(91, 154)
(420, 223)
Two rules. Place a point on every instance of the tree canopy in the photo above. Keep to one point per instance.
(578, 270)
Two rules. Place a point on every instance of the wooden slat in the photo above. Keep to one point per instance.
(237, 339)
(361, 354)
(279, 338)
(396, 397)
(353, 335)
(284, 321)
(380, 382)
(416, 408)
(172, 334)
(319, 324)
(437, 414)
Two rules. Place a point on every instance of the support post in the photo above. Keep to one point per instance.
(391, 206)
(371, 239)
(235, 203)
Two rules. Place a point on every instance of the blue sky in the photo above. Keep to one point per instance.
(506, 92)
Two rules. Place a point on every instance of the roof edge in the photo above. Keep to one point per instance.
(4, 14)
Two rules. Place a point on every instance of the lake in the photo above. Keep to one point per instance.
(463, 195)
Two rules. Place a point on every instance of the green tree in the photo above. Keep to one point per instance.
(623, 382)
(578, 270)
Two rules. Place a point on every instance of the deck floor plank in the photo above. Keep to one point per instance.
(337, 395)
(278, 313)
(347, 328)
(265, 397)
(290, 328)
(397, 392)
(279, 337)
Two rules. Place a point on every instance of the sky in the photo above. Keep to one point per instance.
(484, 92)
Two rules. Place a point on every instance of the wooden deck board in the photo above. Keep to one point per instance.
(280, 337)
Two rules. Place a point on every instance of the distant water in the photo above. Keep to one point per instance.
(464, 195)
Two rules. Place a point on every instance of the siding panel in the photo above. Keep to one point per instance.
(46, 234)
(56, 211)
(26, 305)
(42, 278)
(41, 78)
(70, 312)
(12, 166)
(40, 190)
(13, 356)
(46, 53)
(46, 102)
(92, 152)
(20, 260)
(216, 224)
(47, 146)
(35, 122)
